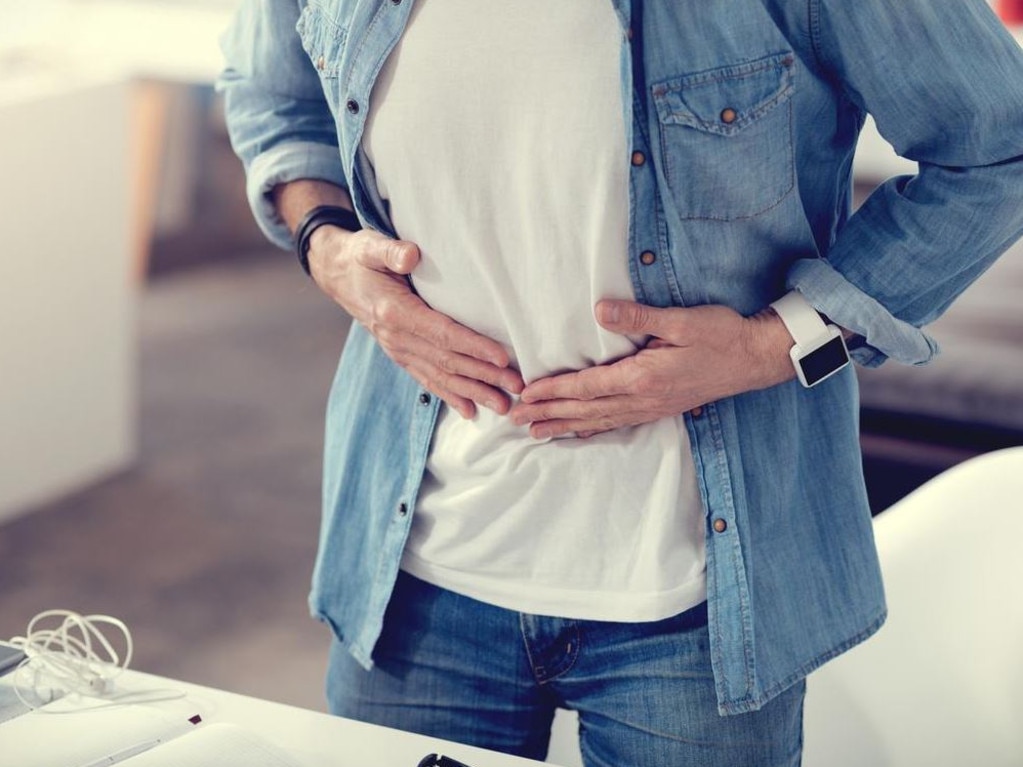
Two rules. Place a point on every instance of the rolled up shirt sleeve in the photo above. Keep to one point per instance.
(944, 83)
(277, 116)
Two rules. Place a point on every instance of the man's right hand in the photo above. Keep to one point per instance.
(366, 274)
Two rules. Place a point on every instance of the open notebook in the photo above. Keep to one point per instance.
(132, 736)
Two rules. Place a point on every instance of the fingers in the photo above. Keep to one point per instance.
(588, 384)
(459, 392)
(407, 328)
(460, 366)
(426, 378)
(559, 417)
(443, 332)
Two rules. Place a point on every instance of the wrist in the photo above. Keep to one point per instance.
(324, 244)
(334, 216)
(769, 346)
(818, 349)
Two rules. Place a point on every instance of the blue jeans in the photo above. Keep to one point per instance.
(455, 668)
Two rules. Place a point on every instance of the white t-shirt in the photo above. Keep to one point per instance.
(496, 133)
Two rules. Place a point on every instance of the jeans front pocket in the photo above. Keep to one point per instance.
(726, 138)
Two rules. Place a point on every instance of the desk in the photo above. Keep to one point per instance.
(312, 739)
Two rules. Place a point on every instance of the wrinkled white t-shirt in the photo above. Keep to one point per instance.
(496, 133)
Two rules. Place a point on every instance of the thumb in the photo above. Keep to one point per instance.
(630, 318)
(401, 256)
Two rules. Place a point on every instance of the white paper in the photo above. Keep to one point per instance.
(78, 738)
(214, 745)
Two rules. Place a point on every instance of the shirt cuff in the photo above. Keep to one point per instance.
(288, 162)
(884, 335)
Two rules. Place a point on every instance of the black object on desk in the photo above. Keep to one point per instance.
(437, 760)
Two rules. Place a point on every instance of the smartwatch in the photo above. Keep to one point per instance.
(819, 350)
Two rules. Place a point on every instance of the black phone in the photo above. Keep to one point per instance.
(10, 657)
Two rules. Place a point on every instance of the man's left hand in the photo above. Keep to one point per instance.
(696, 355)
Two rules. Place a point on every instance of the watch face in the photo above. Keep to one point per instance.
(824, 360)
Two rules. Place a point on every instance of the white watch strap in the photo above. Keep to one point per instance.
(801, 319)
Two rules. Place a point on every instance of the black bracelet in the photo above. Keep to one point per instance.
(313, 220)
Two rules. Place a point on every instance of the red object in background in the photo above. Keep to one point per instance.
(1011, 11)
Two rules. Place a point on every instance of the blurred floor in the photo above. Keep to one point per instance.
(205, 547)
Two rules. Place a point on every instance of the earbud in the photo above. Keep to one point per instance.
(75, 656)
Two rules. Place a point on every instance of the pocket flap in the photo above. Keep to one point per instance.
(322, 39)
(726, 99)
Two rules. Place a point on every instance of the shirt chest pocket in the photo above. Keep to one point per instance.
(322, 39)
(726, 138)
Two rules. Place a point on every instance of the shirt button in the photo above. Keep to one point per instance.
(424, 398)
(321, 63)
(352, 106)
(728, 116)
(696, 412)
(720, 525)
(647, 257)
(638, 158)
(402, 509)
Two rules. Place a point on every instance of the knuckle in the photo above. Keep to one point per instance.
(584, 390)
(385, 312)
(439, 332)
(447, 362)
(638, 316)
(447, 381)
(386, 337)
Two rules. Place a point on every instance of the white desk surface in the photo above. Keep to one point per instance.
(313, 739)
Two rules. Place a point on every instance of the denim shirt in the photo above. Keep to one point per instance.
(746, 114)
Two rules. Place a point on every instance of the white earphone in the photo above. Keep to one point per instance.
(75, 655)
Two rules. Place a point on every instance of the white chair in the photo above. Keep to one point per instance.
(942, 683)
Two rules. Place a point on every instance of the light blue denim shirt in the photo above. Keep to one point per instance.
(737, 208)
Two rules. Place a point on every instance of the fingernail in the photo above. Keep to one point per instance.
(542, 432)
(402, 259)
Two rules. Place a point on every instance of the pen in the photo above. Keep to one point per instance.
(138, 748)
